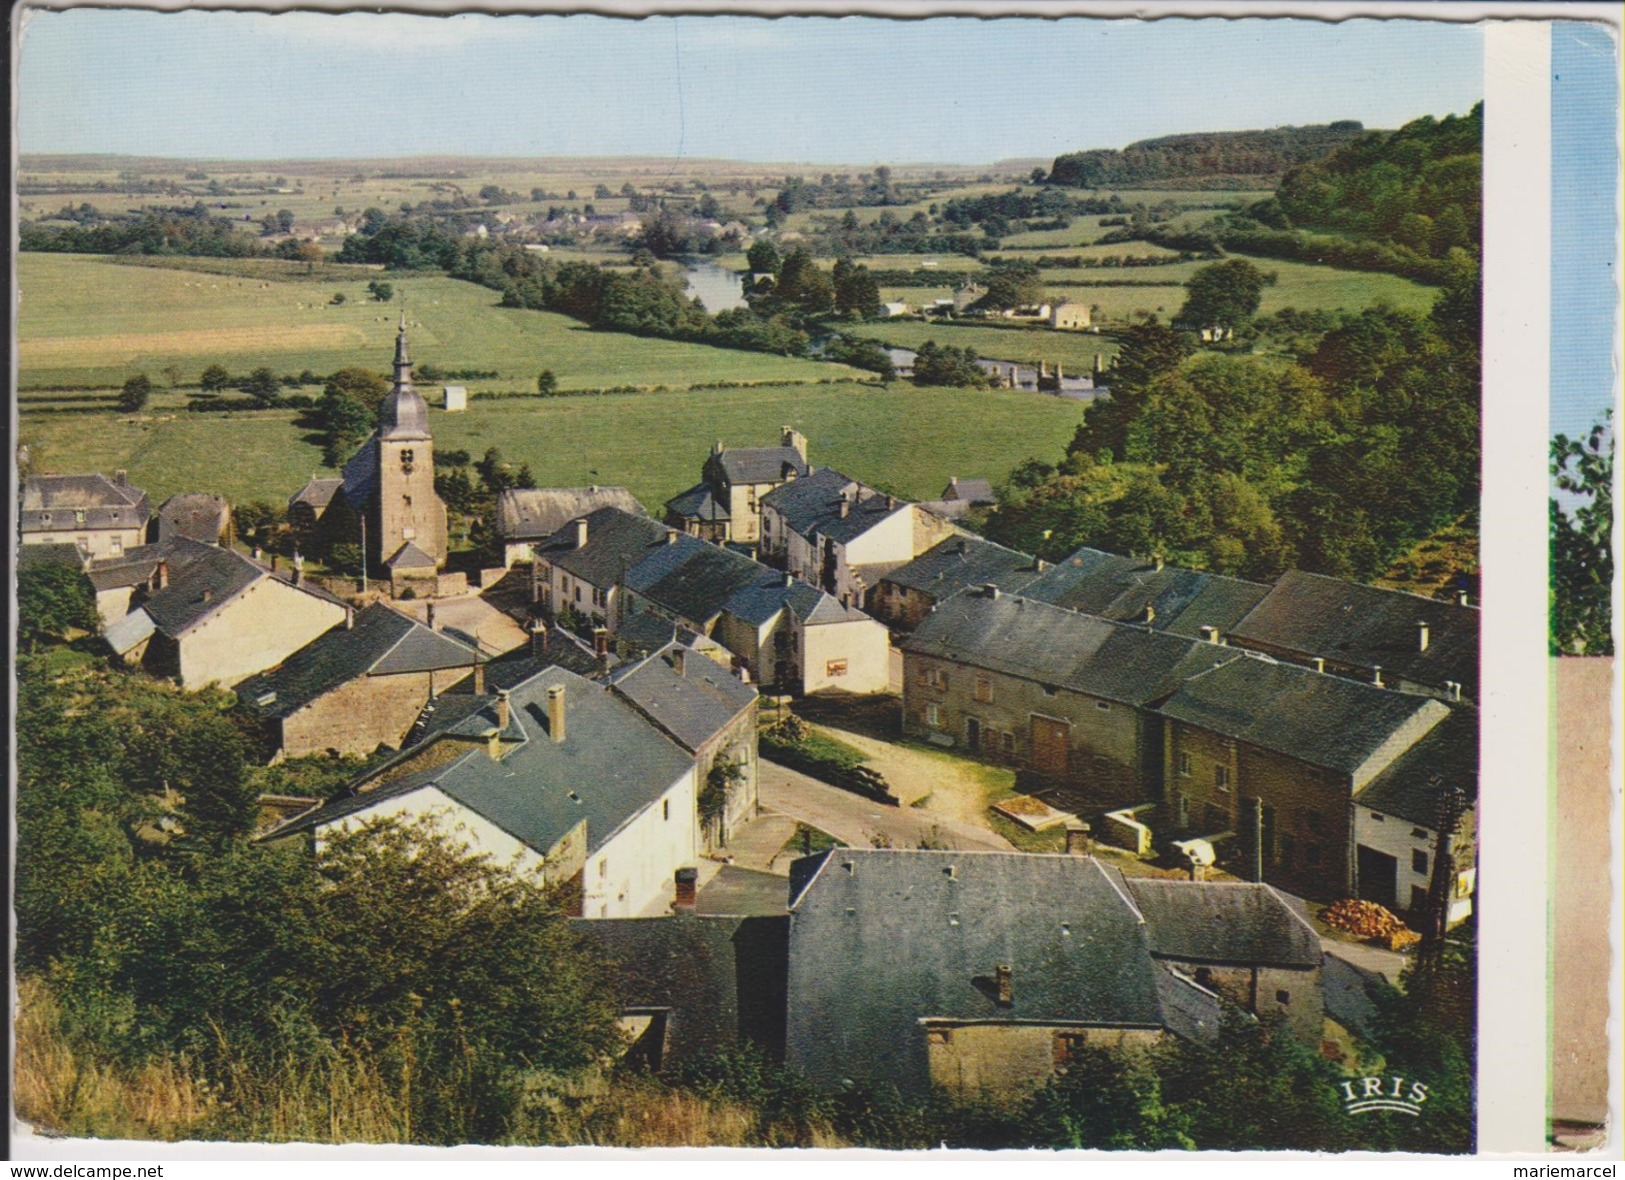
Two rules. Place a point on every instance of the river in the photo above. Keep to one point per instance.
(718, 288)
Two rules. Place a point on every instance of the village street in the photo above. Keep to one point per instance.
(858, 822)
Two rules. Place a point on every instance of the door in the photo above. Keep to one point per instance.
(1051, 741)
(1378, 876)
(973, 734)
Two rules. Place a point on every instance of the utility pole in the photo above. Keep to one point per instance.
(363, 552)
(1452, 804)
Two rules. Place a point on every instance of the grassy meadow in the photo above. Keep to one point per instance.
(86, 321)
(905, 437)
(1075, 351)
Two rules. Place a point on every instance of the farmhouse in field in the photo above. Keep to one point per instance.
(557, 776)
(725, 504)
(357, 687)
(102, 516)
(1070, 316)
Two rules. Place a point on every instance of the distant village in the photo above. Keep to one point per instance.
(1219, 753)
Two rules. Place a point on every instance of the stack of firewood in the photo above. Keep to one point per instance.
(1367, 919)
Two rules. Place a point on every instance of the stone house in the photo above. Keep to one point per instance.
(197, 516)
(1385, 637)
(984, 973)
(528, 517)
(125, 581)
(836, 534)
(309, 505)
(1192, 603)
(357, 687)
(1070, 316)
(558, 777)
(1069, 696)
(1294, 745)
(580, 567)
(221, 619)
(711, 714)
(726, 504)
(104, 517)
(909, 593)
(1397, 818)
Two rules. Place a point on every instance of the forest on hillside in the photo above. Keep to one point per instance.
(1202, 155)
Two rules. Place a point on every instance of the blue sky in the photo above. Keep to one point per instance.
(851, 90)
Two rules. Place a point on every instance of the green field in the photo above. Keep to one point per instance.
(907, 438)
(1075, 351)
(84, 321)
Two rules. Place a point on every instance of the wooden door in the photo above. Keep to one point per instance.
(1051, 741)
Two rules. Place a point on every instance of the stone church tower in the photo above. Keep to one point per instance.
(391, 482)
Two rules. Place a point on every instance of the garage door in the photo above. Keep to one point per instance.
(1379, 875)
(1051, 740)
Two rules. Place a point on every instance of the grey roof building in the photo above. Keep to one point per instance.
(198, 516)
(535, 514)
(1411, 786)
(1131, 590)
(53, 504)
(946, 569)
(1223, 923)
(1419, 644)
(601, 546)
(690, 579)
(803, 502)
(692, 699)
(53, 553)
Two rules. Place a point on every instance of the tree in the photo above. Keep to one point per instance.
(262, 385)
(1582, 555)
(1224, 295)
(381, 291)
(546, 383)
(856, 292)
(763, 257)
(135, 393)
(347, 411)
(338, 298)
(214, 379)
(1013, 284)
(53, 599)
(284, 220)
(257, 520)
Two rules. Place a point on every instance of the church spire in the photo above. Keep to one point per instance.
(404, 413)
(403, 362)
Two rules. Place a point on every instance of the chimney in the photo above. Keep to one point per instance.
(555, 712)
(891, 501)
(789, 579)
(687, 882)
(479, 680)
(846, 507)
(504, 710)
(493, 743)
(990, 591)
(581, 532)
(1079, 842)
(677, 660)
(716, 447)
(208, 594)
(1150, 613)
(1156, 563)
(1461, 598)
(1421, 635)
(1006, 990)
(121, 477)
(1376, 675)
(431, 620)
(600, 642)
(671, 537)
(161, 574)
(1209, 633)
(273, 563)
(1100, 364)
(1319, 663)
(1453, 688)
(963, 546)
(349, 618)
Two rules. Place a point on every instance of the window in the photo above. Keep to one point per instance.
(1009, 743)
(1379, 817)
(78, 516)
(933, 715)
(116, 545)
(407, 500)
(1184, 764)
(1103, 706)
(1288, 847)
(600, 598)
(834, 667)
(578, 593)
(1314, 821)
(939, 1036)
(665, 809)
(1419, 833)
(406, 460)
(1221, 777)
(1419, 861)
(603, 867)
(984, 689)
(1068, 1047)
(940, 679)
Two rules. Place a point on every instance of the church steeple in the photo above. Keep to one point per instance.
(404, 414)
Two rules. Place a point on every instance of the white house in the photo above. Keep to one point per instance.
(558, 777)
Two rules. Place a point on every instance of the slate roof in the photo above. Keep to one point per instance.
(50, 502)
(1311, 615)
(1118, 588)
(382, 642)
(135, 567)
(360, 477)
(720, 978)
(209, 579)
(410, 557)
(1447, 755)
(1311, 716)
(803, 501)
(200, 516)
(741, 465)
(1188, 1009)
(1061, 648)
(563, 650)
(698, 504)
(1223, 922)
(128, 631)
(692, 579)
(975, 491)
(959, 563)
(901, 936)
(611, 765)
(693, 705)
(51, 553)
(318, 493)
(616, 541)
(534, 514)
